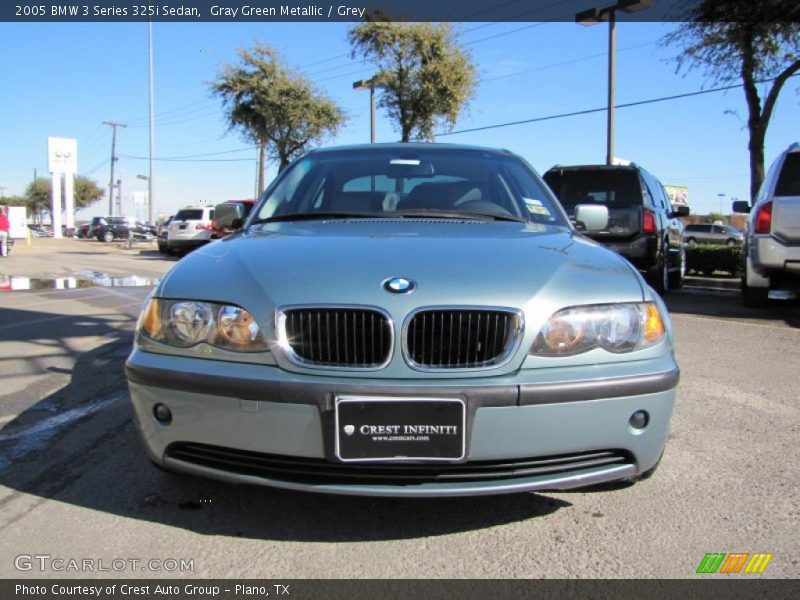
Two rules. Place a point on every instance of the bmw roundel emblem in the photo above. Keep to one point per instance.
(399, 285)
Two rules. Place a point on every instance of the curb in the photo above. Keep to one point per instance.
(713, 283)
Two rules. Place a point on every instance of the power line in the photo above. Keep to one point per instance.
(247, 149)
(565, 62)
(96, 167)
(604, 108)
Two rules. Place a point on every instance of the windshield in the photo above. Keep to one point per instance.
(392, 182)
(616, 188)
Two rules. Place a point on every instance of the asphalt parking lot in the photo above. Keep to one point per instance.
(74, 482)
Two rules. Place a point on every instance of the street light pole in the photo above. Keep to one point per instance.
(363, 84)
(721, 200)
(596, 15)
(612, 42)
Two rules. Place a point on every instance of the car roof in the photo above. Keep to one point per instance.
(400, 146)
(630, 167)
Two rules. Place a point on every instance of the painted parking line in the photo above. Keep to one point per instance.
(22, 443)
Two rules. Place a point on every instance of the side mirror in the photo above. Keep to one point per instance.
(680, 210)
(741, 206)
(229, 216)
(593, 217)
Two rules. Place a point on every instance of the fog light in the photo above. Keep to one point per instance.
(639, 419)
(162, 413)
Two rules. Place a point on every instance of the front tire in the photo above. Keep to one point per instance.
(108, 236)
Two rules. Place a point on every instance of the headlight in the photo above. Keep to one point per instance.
(186, 323)
(616, 328)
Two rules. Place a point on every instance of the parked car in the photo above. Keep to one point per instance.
(706, 233)
(191, 227)
(95, 224)
(113, 228)
(772, 234)
(40, 231)
(406, 320)
(232, 210)
(161, 235)
(82, 231)
(643, 226)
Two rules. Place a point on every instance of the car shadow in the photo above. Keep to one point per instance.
(156, 255)
(79, 446)
(727, 304)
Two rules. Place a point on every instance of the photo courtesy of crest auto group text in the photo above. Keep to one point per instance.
(436, 299)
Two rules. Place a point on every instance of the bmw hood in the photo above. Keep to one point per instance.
(473, 263)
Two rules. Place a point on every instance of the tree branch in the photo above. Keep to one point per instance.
(772, 96)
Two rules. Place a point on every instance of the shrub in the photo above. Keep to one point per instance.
(707, 259)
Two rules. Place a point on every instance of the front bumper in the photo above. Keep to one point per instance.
(259, 424)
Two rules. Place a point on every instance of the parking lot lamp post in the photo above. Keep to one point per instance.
(364, 84)
(721, 197)
(596, 15)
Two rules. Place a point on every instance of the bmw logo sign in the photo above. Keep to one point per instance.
(399, 285)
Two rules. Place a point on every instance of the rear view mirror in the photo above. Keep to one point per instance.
(741, 206)
(229, 216)
(681, 210)
(410, 168)
(593, 217)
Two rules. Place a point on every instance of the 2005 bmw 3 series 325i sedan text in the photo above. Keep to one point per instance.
(406, 320)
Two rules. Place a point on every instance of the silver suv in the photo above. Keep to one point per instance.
(190, 228)
(772, 236)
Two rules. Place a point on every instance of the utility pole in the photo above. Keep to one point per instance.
(114, 126)
(119, 197)
(150, 210)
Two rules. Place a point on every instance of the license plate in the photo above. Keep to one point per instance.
(182, 227)
(370, 428)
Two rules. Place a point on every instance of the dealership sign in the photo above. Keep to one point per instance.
(62, 155)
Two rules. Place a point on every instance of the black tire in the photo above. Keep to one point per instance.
(691, 241)
(658, 276)
(754, 297)
(730, 242)
(162, 248)
(108, 236)
(676, 276)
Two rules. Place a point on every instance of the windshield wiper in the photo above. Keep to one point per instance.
(313, 216)
(455, 214)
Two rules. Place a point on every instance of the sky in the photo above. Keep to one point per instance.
(65, 79)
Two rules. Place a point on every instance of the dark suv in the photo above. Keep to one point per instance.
(642, 226)
(111, 228)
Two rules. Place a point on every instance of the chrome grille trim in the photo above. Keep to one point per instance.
(329, 332)
(412, 353)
